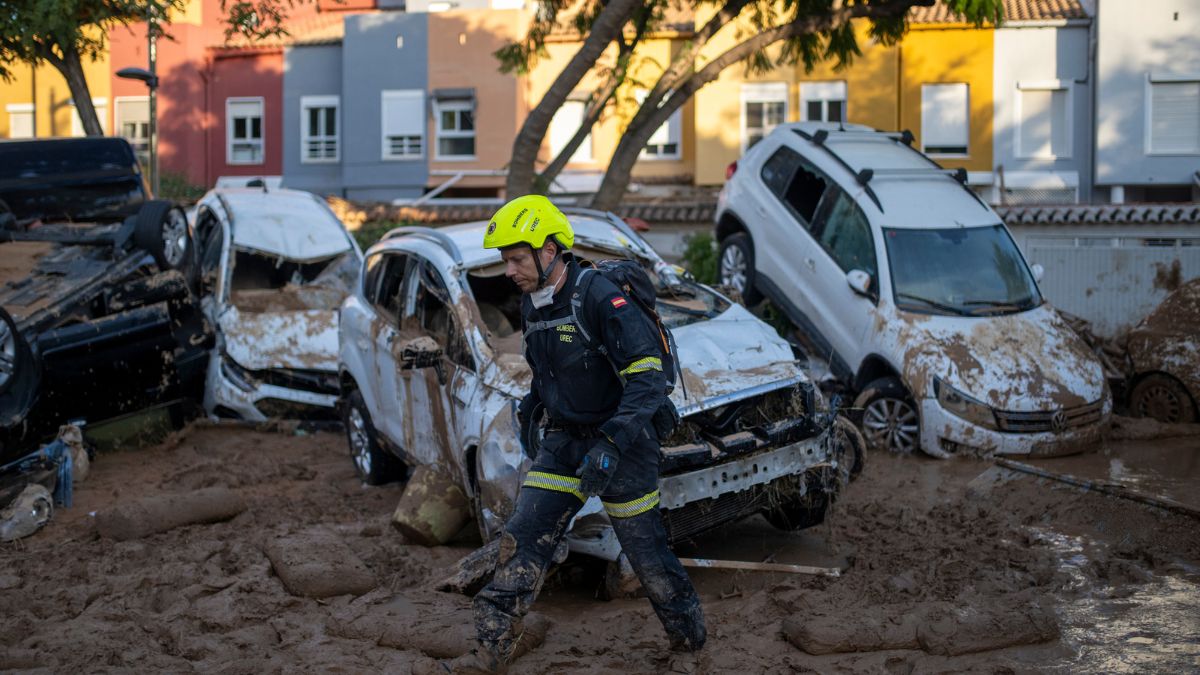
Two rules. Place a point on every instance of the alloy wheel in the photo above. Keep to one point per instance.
(175, 238)
(892, 424)
(733, 268)
(8, 353)
(360, 442)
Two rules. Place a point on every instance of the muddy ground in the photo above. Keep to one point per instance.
(939, 540)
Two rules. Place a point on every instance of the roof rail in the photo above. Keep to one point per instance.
(819, 139)
(613, 219)
(428, 234)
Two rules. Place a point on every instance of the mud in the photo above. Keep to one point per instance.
(18, 259)
(1121, 581)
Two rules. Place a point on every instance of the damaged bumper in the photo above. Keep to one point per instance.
(235, 392)
(944, 434)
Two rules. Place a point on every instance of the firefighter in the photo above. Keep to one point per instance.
(599, 398)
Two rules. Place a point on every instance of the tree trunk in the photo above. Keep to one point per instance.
(71, 66)
(650, 118)
(521, 169)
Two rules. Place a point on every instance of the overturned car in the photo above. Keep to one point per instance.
(431, 373)
(98, 318)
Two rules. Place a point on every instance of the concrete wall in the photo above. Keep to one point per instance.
(1138, 40)
(379, 52)
(1044, 55)
(312, 71)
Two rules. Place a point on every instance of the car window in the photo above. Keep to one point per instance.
(432, 315)
(844, 233)
(386, 292)
(796, 182)
(212, 238)
(778, 170)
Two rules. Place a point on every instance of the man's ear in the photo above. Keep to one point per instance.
(549, 248)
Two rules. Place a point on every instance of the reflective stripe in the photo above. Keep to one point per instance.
(632, 508)
(643, 364)
(555, 482)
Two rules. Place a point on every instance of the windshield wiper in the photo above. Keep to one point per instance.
(958, 311)
(707, 314)
(1017, 306)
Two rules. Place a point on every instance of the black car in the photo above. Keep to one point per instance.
(98, 317)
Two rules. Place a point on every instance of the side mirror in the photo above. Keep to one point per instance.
(421, 352)
(1038, 272)
(860, 282)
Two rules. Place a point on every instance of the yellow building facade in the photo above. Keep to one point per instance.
(37, 102)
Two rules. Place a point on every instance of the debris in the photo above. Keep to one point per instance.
(940, 628)
(81, 463)
(1103, 488)
(27, 513)
(316, 563)
(761, 566)
(1149, 429)
(1110, 351)
(432, 509)
(165, 512)
(472, 573)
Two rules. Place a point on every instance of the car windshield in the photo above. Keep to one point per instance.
(267, 283)
(974, 271)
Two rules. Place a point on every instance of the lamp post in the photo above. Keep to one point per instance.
(150, 77)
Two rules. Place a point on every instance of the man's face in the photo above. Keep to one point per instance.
(519, 265)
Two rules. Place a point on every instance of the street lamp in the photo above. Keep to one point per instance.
(150, 77)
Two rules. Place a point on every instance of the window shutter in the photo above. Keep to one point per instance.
(1175, 117)
(404, 113)
(563, 127)
(944, 115)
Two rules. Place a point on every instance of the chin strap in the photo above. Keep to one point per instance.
(544, 275)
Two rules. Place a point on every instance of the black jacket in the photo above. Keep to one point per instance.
(576, 382)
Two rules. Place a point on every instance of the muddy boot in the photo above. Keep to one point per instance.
(478, 661)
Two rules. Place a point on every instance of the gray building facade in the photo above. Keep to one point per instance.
(312, 74)
(1148, 100)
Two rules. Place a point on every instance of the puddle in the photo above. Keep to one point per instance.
(1162, 468)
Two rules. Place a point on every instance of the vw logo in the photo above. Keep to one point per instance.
(1058, 421)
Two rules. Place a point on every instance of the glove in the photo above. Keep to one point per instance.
(597, 468)
(528, 429)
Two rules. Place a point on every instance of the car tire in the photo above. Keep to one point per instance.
(374, 465)
(735, 267)
(852, 447)
(888, 417)
(1162, 397)
(20, 371)
(161, 229)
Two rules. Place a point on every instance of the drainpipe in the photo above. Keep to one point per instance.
(205, 76)
(33, 94)
(899, 86)
(1094, 76)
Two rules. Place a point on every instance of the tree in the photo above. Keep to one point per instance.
(65, 32)
(781, 32)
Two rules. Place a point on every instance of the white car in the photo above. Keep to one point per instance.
(275, 265)
(432, 370)
(913, 291)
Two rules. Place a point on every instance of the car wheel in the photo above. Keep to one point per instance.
(373, 464)
(1163, 398)
(852, 447)
(736, 266)
(889, 417)
(161, 230)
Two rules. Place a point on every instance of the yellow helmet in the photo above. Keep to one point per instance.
(528, 220)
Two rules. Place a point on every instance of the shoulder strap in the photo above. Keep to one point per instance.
(581, 289)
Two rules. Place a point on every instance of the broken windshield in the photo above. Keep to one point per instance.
(960, 271)
(269, 283)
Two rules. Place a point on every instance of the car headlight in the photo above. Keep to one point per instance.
(237, 375)
(964, 406)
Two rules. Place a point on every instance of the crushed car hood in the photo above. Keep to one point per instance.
(729, 353)
(1026, 362)
(306, 339)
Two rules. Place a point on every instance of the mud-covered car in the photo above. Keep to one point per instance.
(275, 265)
(913, 290)
(432, 371)
(1164, 354)
(98, 317)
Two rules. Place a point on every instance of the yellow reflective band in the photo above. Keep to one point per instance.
(550, 481)
(644, 364)
(632, 508)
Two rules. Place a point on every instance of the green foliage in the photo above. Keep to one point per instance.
(700, 257)
(373, 230)
(175, 186)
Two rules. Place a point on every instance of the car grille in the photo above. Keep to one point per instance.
(1050, 420)
(275, 408)
(316, 381)
(697, 517)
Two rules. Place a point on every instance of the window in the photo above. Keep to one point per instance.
(455, 128)
(667, 138)
(244, 130)
(318, 129)
(433, 314)
(563, 127)
(101, 106)
(845, 234)
(384, 281)
(796, 183)
(133, 124)
(403, 124)
(1174, 117)
(20, 120)
(944, 128)
(1043, 121)
(764, 107)
(823, 101)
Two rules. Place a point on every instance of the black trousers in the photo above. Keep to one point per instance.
(547, 501)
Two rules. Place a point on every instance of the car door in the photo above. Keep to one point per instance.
(797, 188)
(844, 243)
(428, 387)
(387, 277)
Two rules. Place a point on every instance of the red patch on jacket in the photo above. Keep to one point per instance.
(618, 302)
